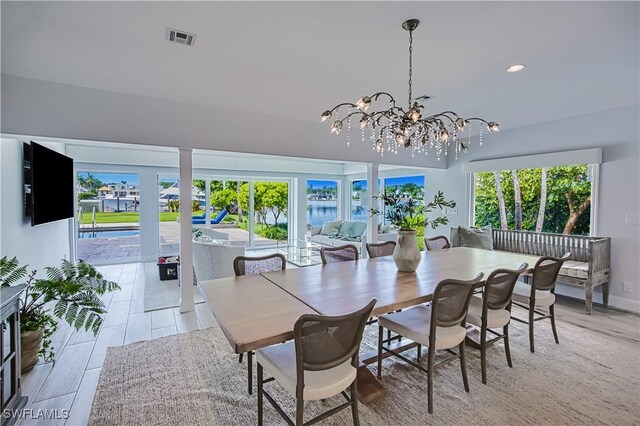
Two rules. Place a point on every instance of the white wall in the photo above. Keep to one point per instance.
(617, 133)
(40, 108)
(38, 246)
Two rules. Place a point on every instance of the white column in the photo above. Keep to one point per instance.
(300, 207)
(186, 247)
(252, 214)
(149, 215)
(372, 192)
(345, 207)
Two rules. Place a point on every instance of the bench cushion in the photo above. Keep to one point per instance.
(571, 268)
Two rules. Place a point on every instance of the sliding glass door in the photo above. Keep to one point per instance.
(108, 217)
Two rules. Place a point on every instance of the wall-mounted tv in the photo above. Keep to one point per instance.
(48, 184)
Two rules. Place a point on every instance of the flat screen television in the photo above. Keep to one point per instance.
(48, 184)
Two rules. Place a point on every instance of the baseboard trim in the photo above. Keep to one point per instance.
(625, 304)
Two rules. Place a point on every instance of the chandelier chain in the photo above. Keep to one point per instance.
(410, 64)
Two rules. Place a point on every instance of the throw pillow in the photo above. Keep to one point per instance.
(346, 228)
(330, 228)
(476, 237)
(358, 229)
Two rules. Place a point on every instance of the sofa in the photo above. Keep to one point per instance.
(337, 233)
(212, 259)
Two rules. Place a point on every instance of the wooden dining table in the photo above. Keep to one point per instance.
(260, 310)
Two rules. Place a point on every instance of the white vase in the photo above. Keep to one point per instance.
(407, 255)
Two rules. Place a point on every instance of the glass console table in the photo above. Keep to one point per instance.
(300, 252)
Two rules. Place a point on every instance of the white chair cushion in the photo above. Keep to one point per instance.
(415, 324)
(572, 268)
(495, 317)
(522, 292)
(280, 362)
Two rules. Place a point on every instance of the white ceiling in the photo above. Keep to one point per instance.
(295, 59)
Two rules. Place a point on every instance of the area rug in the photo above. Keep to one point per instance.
(195, 379)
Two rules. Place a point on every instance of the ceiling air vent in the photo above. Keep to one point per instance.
(180, 37)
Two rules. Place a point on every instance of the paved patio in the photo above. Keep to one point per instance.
(120, 249)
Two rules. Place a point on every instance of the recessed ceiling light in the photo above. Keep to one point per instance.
(516, 68)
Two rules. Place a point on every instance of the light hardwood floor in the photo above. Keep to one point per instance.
(71, 383)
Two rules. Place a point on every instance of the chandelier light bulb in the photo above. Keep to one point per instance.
(399, 137)
(460, 124)
(443, 135)
(364, 122)
(364, 103)
(336, 127)
(493, 127)
(325, 116)
(414, 114)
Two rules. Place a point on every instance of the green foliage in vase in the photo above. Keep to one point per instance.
(407, 214)
(70, 292)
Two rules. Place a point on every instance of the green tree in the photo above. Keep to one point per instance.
(572, 184)
(267, 197)
(87, 195)
(412, 189)
(224, 198)
(199, 184)
(90, 182)
(565, 208)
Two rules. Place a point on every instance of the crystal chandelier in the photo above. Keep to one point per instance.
(391, 127)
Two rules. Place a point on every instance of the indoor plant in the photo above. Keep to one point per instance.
(69, 292)
(408, 215)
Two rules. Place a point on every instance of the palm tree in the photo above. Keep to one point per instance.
(543, 200)
(518, 200)
(503, 210)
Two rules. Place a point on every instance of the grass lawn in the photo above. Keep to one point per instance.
(129, 217)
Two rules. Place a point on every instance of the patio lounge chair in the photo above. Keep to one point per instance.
(200, 220)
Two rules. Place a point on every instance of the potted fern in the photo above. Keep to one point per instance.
(70, 292)
(408, 215)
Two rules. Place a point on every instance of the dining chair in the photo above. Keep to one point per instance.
(440, 326)
(321, 362)
(338, 253)
(380, 249)
(540, 294)
(247, 265)
(493, 310)
(437, 243)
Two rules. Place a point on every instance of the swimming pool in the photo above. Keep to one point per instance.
(109, 234)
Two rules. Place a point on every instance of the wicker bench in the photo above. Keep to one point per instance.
(587, 267)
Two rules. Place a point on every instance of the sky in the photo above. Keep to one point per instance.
(418, 180)
(320, 183)
(132, 179)
(399, 181)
